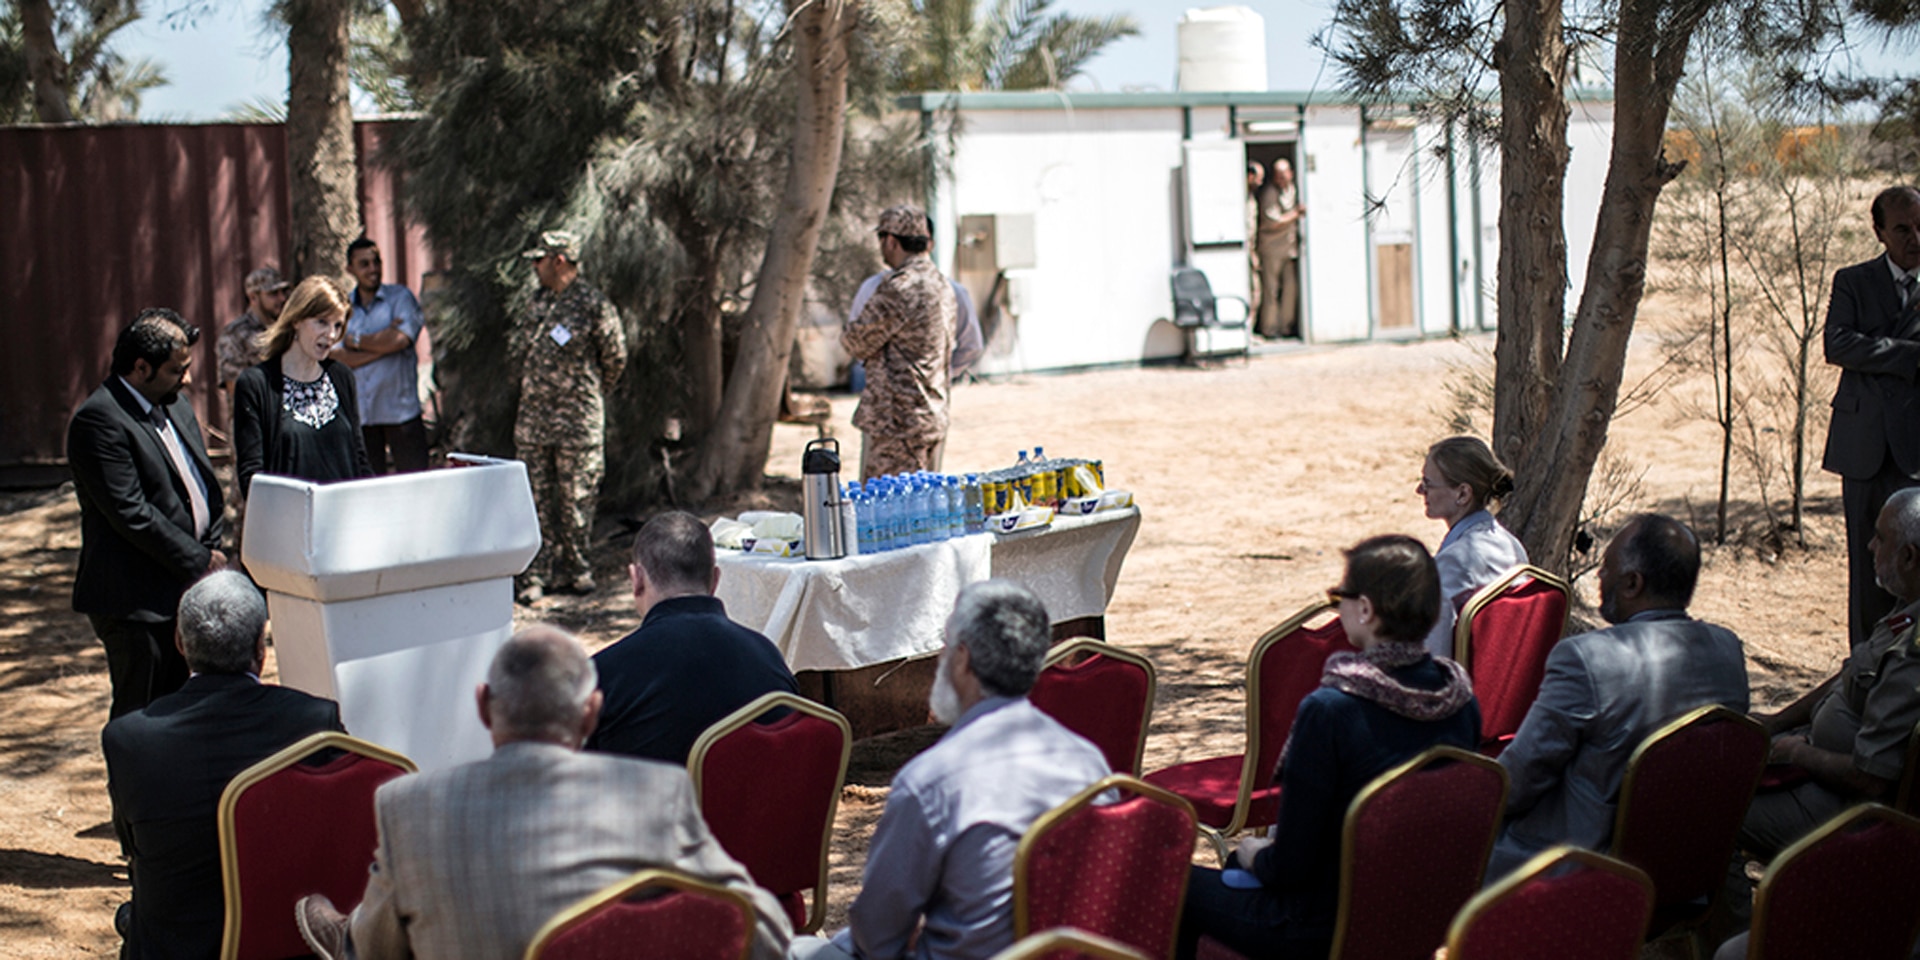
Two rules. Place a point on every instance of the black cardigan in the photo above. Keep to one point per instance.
(257, 401)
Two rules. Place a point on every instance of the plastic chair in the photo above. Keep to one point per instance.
(1235, 792)
(769, 792)
(1105, 695)
(653, 914)
(1412, 853)
(1115, 869)
(1686, 790)
(290, 826)
(1196, 305)
(1502, 638)
(1066, 943)
(1849, 889)
(1564, 904)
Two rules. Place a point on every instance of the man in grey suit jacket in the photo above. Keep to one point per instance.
(1873, 336)
(1605, 691)
(473, 860)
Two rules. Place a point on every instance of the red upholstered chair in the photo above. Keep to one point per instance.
(299, 822)
(652, 915)
(1564, 904)
(1686, 789)
(769, 791)
(1066, 943)
(1115, 869)
(1906, 798)
(1849, 889)
(1503, 637)
(1412, 853)
(1235, 792)
(1100, 692)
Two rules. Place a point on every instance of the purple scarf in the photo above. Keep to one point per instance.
(1363, 674)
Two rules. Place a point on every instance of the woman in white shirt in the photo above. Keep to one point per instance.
(1460, 478)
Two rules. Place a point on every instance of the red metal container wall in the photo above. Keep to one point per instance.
(97, 223)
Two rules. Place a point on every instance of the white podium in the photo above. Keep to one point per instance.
(390, 595)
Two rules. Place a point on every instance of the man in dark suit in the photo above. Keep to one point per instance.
(168, 764)
(150, 506)
(1873, 336)
(687, 665)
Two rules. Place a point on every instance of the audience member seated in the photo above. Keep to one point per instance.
(1374, 710)
(1850, 733)
(687, 665)
(167, 765)
(939, 874)
(1461, 476)
(1606, 691)
(475, 858)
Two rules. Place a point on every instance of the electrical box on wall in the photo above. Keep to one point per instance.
(994, 242)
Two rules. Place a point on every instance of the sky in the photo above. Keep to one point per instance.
(223, 59)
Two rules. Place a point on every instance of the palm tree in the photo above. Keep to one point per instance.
(1020, 45)
(57, 63)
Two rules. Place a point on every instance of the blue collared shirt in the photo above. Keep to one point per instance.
(388, 387)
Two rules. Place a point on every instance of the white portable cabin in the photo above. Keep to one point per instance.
(1073, 210)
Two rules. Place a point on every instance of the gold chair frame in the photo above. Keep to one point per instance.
(245, 779)
(1844, 821)
(1069, 938)
(1349, 828)
(1022, 921)
(1463, 625)
(621, 889)
(1539, 864)
(697, 763)
(1073, 648)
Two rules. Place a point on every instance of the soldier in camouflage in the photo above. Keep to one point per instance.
(905, 337)
(239, 341)
(570, 349)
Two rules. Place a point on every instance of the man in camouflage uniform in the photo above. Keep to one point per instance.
(239, 342)
(905, 337)
(570, 349)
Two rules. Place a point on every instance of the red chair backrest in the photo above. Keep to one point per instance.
(1102, 697)
(1685, 792)
(677, 925)
(1565, 904)
(1284, 673)
(1414, 846)
(298, 830)
(1851, 889)
(769, 792)
(1118, 870)
(1509, 637)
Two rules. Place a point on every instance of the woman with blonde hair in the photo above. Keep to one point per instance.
(296, 413)
(1460, 478)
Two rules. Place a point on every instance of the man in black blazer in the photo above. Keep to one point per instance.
(1873, 336)
(150, 506)
(168, 764)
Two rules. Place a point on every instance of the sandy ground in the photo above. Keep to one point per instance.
(1252, 477)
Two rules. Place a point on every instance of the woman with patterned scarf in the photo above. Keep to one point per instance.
(1376, 708)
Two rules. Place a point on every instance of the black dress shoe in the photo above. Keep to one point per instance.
(123, 919)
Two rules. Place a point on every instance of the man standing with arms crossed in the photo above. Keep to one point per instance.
(381, 328)
(571, 350)
(905, 336)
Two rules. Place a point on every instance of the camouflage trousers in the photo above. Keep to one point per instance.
(883, 455)
(566, 484)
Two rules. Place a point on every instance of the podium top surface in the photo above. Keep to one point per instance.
(384, 535)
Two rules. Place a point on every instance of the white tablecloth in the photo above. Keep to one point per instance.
(854, 612)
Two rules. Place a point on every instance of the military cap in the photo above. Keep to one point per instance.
(563, 242)
(263, 280)
(904, 220)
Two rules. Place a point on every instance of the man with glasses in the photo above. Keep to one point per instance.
(905, 335)
(150, 506)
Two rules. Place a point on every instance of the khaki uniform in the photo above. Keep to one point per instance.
(239, 346)
(570, 348)
(905, 337)
(1278, 244)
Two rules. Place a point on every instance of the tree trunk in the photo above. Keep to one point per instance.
(734, 455)
(1531, 57)
(1545, 509)
(52, 82)
(321, 176)
(700, 333)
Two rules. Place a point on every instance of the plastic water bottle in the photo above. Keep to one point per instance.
(850, 518)
(976, 510)
(922, 512)
(893, 513)
(878, 509)
(956, 507)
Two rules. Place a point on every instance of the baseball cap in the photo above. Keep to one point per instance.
(264, 279)
(904, 220)
(563, 242)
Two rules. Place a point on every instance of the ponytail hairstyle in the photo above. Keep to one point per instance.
(1467, 460)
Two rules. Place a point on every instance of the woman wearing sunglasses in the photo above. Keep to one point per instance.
(1377, 707)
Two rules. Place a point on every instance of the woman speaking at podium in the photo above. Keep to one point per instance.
(296, 414)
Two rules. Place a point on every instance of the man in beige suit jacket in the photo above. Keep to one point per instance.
(474, 859)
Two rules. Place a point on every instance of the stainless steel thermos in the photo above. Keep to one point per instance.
(821, 530)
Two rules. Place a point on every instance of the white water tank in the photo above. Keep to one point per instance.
(1223, 49)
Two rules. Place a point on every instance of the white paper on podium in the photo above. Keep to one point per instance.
(390, 595)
